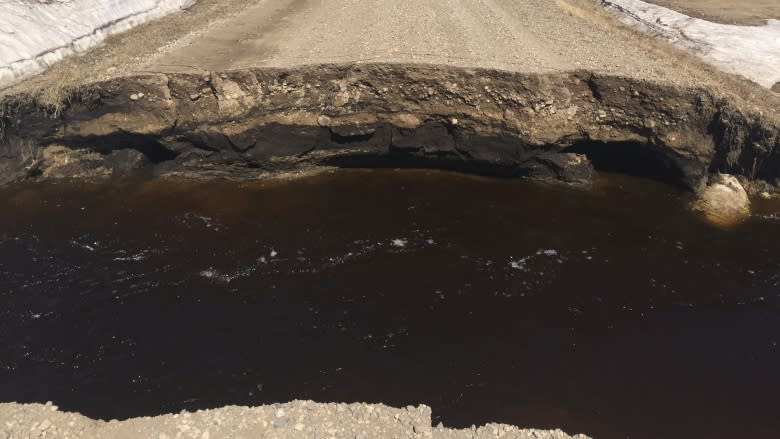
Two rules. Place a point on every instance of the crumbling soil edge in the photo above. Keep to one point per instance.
(262, 122)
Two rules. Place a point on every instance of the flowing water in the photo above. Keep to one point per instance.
(613, 312)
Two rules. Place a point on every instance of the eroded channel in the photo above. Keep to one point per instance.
(613, 311)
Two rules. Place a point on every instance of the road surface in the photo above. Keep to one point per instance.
(531, 36)
(520, 35)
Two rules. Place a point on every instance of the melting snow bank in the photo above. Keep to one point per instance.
(36, 34)
(298, 419)
(751, 51)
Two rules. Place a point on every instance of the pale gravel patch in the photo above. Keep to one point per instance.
(297, 419)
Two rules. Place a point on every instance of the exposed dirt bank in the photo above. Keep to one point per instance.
(299, 419)
(262, 122)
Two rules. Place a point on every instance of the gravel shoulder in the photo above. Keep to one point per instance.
(297, 419)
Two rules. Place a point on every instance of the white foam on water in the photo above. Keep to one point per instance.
(137, 257)
(210, 223)
(519, 264)
(90, 246)
(226, 277)
(400, 242)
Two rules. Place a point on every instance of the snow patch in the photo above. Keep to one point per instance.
(36, 34)
(751, 51)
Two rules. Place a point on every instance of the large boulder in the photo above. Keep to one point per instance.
(723, 200)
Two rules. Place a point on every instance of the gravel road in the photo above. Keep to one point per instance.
(534, 36)
(526, 36)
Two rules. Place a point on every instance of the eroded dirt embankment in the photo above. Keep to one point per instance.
(264, 122)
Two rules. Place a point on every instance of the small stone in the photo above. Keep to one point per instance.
(602, 114)
(299, 427)
(408, 121)
(454, 121)
(765, 195)
(134, 97)
(421, 428)
(323, 121)
(195, 96)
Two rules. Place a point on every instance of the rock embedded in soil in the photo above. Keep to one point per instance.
(297, 419)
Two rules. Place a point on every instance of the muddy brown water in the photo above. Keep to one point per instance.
(613, 312)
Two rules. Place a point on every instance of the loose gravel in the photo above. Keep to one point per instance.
(297, 419)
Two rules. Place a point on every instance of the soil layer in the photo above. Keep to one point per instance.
(264, 122)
